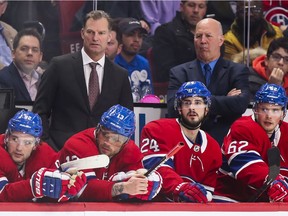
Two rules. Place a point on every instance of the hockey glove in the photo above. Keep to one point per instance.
(154, 184)
(278, 191)
(190, 192)
(55, 184)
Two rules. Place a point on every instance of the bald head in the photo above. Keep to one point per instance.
(208, 39)
(216, 25)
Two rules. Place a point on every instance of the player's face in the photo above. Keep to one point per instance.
(109, 143)
(193, 11)
(193, 110)
(20, 146)
(268, 116)
(278, 59)
(132, 42)
(95, 37)
(208, 40)
(27, 55)
(113, 48)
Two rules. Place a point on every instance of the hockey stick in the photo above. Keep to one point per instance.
(171, 153)
(274, 169)
(92, 162)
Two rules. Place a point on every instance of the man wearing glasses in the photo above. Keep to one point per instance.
(271, 68)
(123, 178)
(190, 176)
(27, 169)
(245, 162)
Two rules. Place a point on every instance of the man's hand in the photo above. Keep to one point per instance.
(278, 191)
(134, 184)
(191, 192)
(55, 184)
(276, 76)
(234, 92)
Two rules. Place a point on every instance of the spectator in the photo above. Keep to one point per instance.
(228, 85)
(271, 68)
(223, 11)
(173, 41)
(158, 12)
(261, 32)
(245, 163)
(119, 180)
(21, 74)
(114, 46)
(7, 34)
(189, 176)
(138, 67)
(63, 92)
(27, 168)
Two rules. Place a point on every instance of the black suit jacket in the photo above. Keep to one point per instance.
(62, 97)
(10, 78)
(224, 109)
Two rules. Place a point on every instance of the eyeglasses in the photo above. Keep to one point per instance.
(277, 57)
(195, 103)
(253, 9)
(111, 137)
(272, 112)
(20, 141)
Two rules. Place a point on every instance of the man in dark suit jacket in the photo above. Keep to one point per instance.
(228, 84)
(21, 74)
(63, 91)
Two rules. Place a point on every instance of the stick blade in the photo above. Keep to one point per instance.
(274, 163)
(92, 162)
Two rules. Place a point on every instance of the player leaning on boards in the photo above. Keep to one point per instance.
(119, 180)
(189, 176)
(24, 158)
(245, 161)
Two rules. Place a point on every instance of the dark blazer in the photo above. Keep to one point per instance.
(224, 109)
(62, 97)
(10, 78)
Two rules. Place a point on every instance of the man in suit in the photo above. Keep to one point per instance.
(64, 91)
(228, 82)
(21, 74)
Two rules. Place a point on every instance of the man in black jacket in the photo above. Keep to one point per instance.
(173, 42)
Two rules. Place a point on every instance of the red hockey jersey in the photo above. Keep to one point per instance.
(245, 162)
(197, 162)
(15, 186)
(83, 144)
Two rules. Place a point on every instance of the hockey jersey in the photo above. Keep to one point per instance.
(14, 184)
(245, 162)
(195, 162)
(83, 144)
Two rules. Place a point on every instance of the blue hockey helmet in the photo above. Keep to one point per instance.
(26, 122)
(192, 89)
(120, 120)
(273, 94)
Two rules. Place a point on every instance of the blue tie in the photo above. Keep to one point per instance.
(208, 73)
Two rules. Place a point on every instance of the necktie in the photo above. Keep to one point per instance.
(93, 85)
(208, 73)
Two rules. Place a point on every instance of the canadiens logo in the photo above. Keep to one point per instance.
(277, 15)
(196, 148)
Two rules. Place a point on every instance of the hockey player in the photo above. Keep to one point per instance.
(120, 180)
(27, 169)
(190, 176)
(245, 163)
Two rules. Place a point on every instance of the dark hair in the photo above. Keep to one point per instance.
(115, 27)
(96, 15)
(27, 32)
(276, 44)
